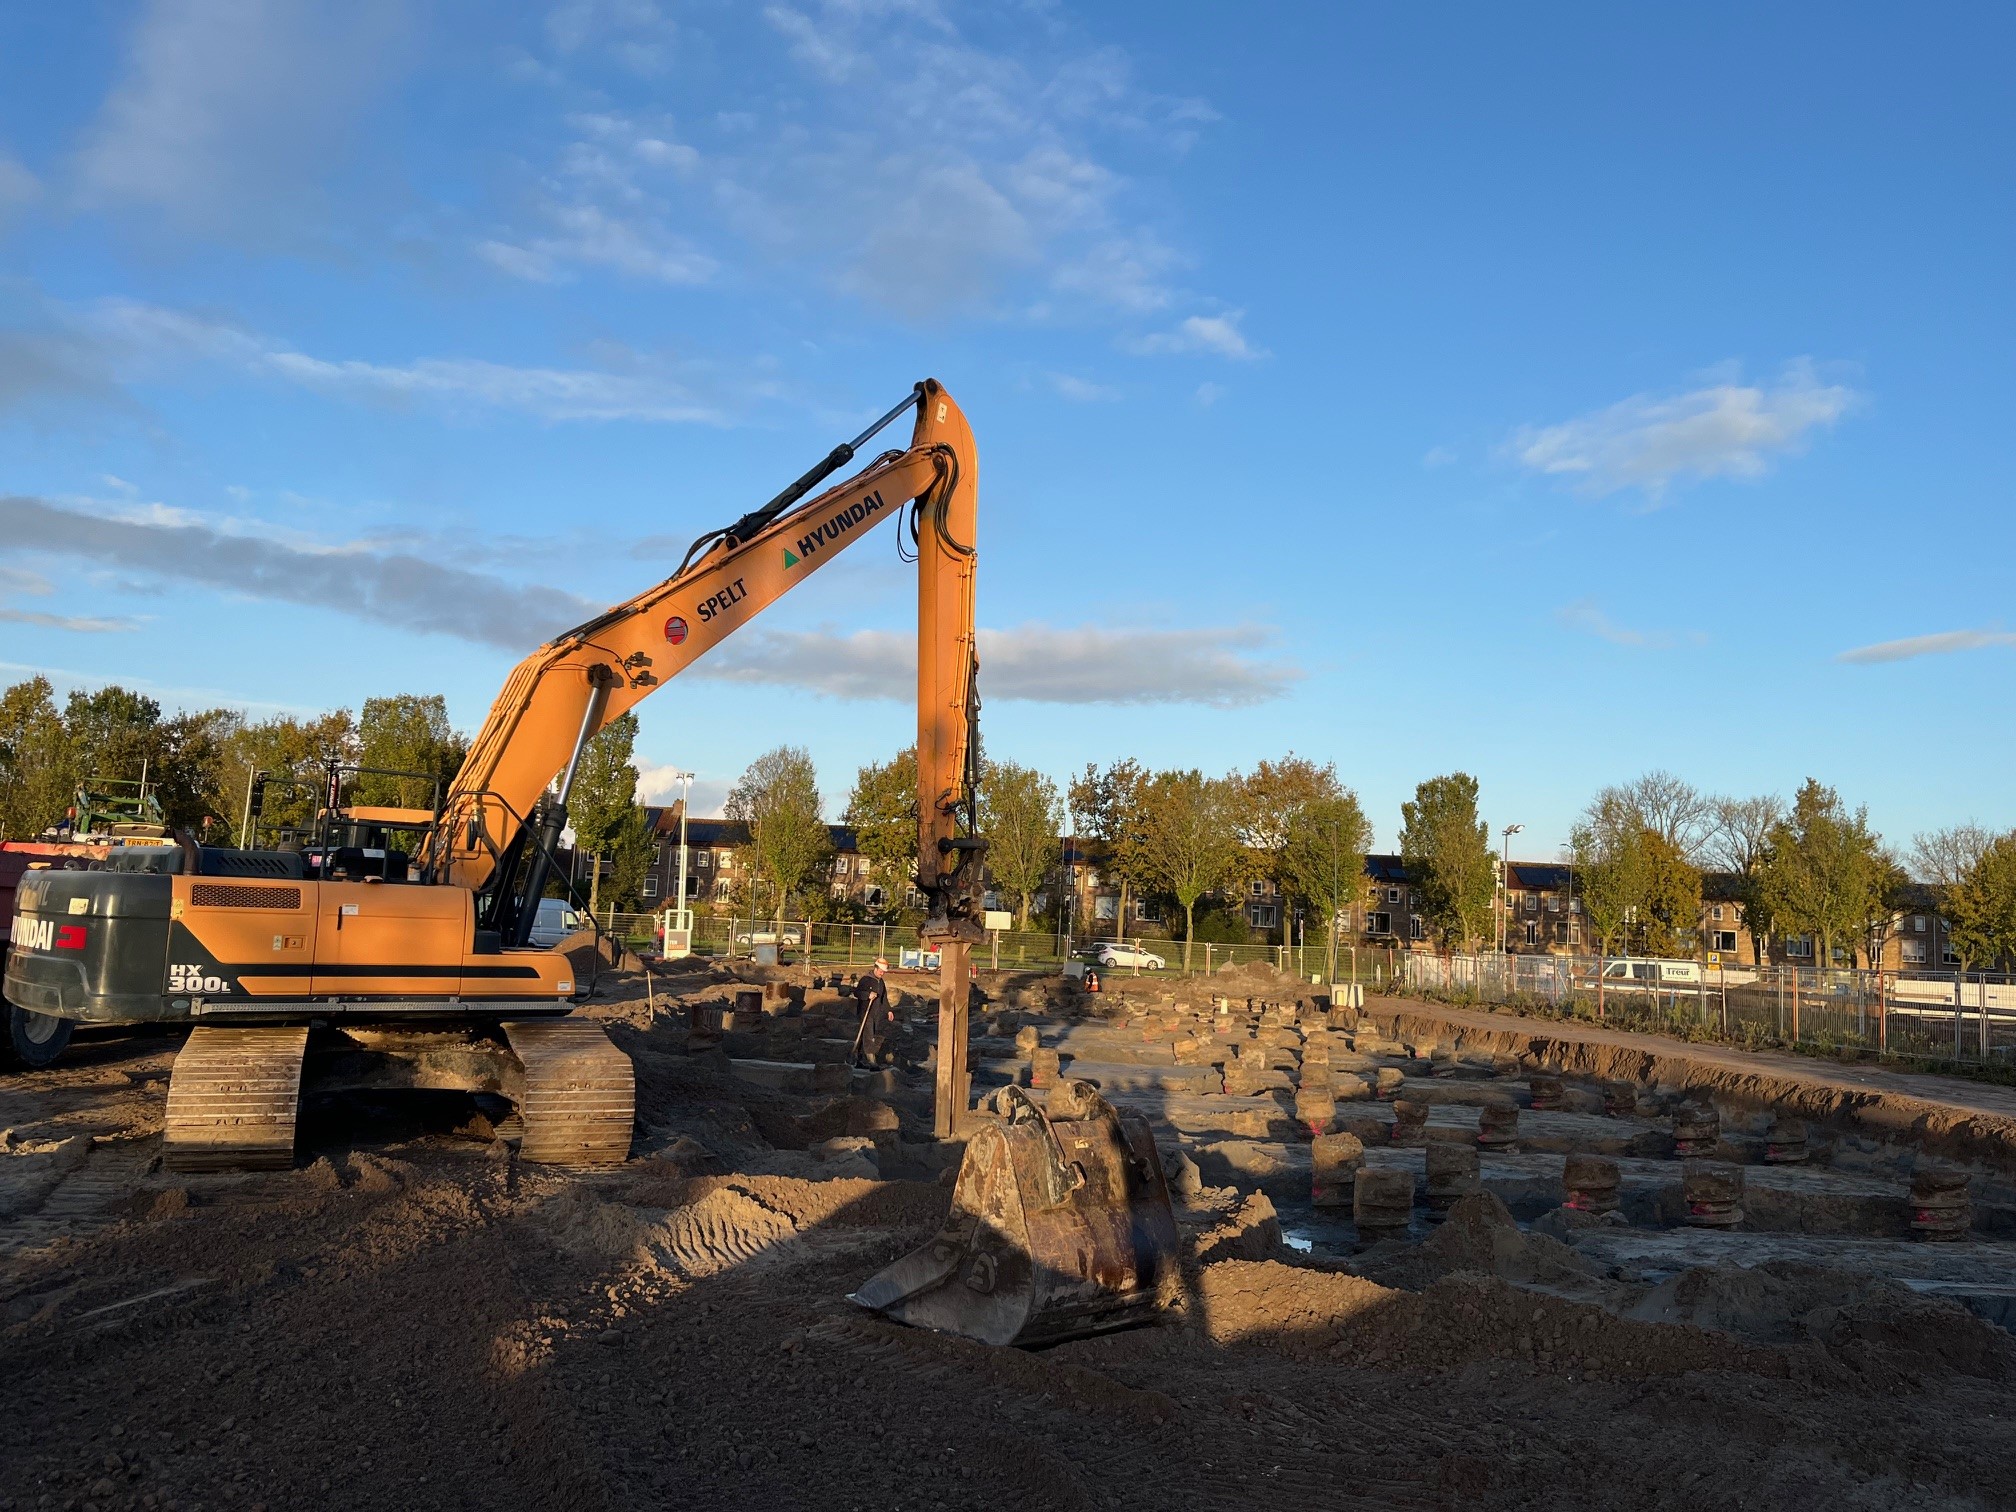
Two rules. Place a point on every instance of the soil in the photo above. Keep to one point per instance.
(413, 1318)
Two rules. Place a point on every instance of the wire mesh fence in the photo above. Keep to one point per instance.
(825, 944)
(1958, 1016)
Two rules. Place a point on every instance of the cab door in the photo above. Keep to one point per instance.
(391, 940)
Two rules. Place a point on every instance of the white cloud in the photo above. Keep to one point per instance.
(1722, 430)
(1208, 394)
(229, 113)
(1942, 644)
(92, 353)
(386, 587)
(1216, 335)
(17, 580)
(636, 33)
(1218, 666)
(1082, 390)
(1438, 456)
(981, 178)
(1584, 615)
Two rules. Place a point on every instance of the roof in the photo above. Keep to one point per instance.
(1540, 876)
(1385, 868)
(727, 834)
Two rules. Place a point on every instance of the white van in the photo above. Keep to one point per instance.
(556, 921)
(1644, 973)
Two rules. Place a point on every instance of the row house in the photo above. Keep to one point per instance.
(712, 859)
(1916, 938)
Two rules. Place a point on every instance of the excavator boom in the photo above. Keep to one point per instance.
(575, 684)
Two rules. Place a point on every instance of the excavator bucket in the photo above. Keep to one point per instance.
(1060, 1227)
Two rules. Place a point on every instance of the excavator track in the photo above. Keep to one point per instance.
(233, 1097)
(580, 1097)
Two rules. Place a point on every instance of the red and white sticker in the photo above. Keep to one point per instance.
(675, 630)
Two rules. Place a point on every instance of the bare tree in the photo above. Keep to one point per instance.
(1739, 831)
(1670, 807)
(1947, 857)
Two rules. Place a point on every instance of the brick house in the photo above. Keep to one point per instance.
(711, 864)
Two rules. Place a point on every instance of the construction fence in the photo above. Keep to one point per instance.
(1959, 1016)
(1006, 950)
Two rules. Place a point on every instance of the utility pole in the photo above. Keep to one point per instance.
(683, 913)
(1505, 882)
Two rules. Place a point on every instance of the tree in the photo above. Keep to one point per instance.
(1825, 872)
(1446, 849)
(603, 803)
(1980, 906)
(407, 732)
(778, 798)
(1322, 859)
(1737, 843)
(1108, 809)
(1639, 885)
(882, 811)
(113, 732)
(1672, 809)
(291, 749)
(38, 772)
(1021, 816)
(1186, 844)
(1270, 801)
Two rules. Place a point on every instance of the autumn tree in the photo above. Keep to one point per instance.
(1022, 817)
(406, 732)
(1322, 860)
(1638, 885)
(1673, 809)
(1107, 807)
(1270, 801)
(1186, 841)
(882, 811)
(602, 807)
(1980, 904)
(778, 798)
(1825, 872)
(293, 750)
(1446, 850)
(38, 770)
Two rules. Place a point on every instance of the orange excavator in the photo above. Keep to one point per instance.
(392, 970)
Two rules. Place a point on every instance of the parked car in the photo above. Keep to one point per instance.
(556, 921)
(769, 937)
(1121, 954)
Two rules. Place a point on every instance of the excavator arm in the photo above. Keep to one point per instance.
(559, 697)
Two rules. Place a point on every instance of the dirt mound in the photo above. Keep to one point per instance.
(1479, 1235)
(1880, 1328)
(1463, 1320)
(1252, 1232)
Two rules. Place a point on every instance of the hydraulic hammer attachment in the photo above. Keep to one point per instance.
(1060, 1227)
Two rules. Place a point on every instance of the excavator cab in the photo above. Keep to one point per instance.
(1060, 1227)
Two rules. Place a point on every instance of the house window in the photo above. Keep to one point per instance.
(1106, 909)
(1917, 923)
(721, 891)
(839, 866)
(1723, 939)
(1147, 911)
(651, 886)
(1553, 902)
(1950, 956)
(1261, 915)
(1532, 934)
(727, 860)
(1415, 931)
(913, 899)
(1715, 913)
(1532, 903)
(873, 896)
(1378, 923)
(1256, 889)
(1392, 895)
(1914, 952)
(704, 860)
(1800, 947)
(838, 889)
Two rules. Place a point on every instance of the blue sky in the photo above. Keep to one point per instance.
(1553, 394)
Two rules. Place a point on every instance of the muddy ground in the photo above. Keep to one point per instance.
(411, 1318)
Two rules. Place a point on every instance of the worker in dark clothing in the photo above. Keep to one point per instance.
(871, 996)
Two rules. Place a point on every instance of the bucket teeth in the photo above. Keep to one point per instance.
(1060, 1227)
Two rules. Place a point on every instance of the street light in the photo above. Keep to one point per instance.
(684, 913)
(1505, 882)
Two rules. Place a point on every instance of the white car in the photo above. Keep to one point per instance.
(1124, 955)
